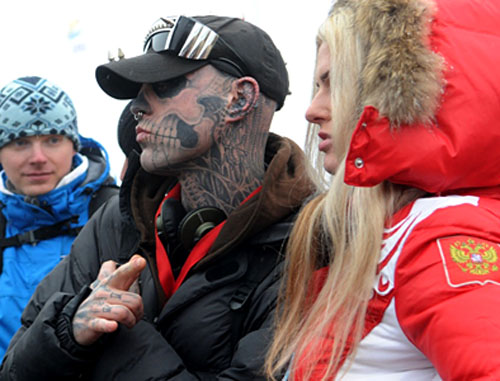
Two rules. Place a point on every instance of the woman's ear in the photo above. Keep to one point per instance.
(244, 95)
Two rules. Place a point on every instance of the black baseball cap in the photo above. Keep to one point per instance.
(179, 45)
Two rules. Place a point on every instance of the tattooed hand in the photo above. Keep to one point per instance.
(111, 302)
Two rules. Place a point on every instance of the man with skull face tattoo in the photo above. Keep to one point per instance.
(178, 278)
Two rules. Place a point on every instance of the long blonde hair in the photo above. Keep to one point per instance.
(341, 229)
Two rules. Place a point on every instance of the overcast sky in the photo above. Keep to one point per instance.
(65, 40)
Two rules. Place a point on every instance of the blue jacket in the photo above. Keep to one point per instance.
(26, 265)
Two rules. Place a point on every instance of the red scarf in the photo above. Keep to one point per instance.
(167, 280)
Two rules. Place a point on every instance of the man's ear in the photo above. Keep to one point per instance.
(244, 96)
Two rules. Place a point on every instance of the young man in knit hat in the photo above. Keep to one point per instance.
(48, 180)
(179, 279)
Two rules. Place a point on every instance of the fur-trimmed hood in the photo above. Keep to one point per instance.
(430, 93)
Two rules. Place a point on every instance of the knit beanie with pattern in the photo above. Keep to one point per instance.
(33, 106)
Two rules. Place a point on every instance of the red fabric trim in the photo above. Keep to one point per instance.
(165, 275)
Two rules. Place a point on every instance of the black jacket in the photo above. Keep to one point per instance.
(215, 326)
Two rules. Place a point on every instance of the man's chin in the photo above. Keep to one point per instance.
(156, 167)
(36, 190)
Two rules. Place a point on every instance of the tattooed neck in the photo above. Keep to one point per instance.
(225, 183)
(234, 168)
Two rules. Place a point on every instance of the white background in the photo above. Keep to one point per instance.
(65, 40)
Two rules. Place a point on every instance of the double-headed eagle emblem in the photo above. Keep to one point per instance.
(478, 258)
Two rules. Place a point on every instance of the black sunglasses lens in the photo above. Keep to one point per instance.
(159, 41)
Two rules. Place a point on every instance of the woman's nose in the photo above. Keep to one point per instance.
(319, 110)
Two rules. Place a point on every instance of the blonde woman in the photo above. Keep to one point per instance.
(394, 273)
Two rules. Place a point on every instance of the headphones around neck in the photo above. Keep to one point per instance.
(175, 225)
(197, 223)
